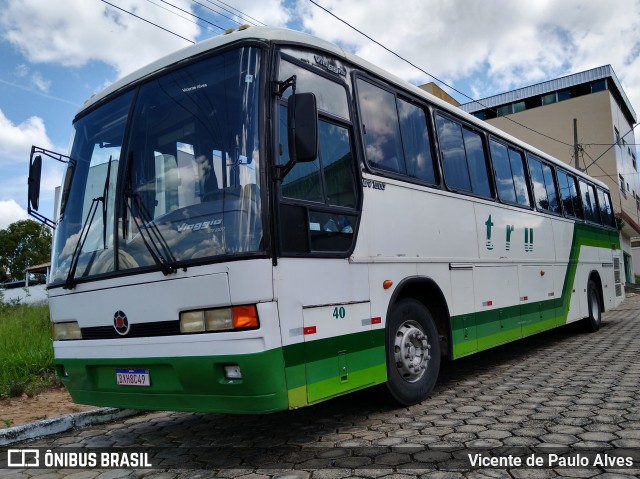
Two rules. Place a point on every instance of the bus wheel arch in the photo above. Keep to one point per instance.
(416, 331)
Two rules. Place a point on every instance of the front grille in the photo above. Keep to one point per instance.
(140, 330)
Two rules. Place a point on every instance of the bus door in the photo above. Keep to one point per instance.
(323, 298)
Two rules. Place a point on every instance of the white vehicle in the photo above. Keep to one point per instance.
(263, 221)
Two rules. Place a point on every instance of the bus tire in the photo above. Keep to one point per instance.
(413, 352)
(592, 322)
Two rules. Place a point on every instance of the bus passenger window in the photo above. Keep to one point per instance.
(454, 163)
(381, 128)
(516, 158)
(463, 158)
(416, 142)
(569, 195)
(477, 162)
(588, 195)
(606, 212)
(544, 189)
(565, 193)
(502, 168)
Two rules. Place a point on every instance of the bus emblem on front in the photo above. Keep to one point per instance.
(121, 323)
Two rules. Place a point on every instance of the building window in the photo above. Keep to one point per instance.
(519, 106)
(621, 182)
(617, 133)
(599, 85)
(635, 163)
(550, 98)
(505, 110)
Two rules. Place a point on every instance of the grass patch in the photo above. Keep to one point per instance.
(26, 351)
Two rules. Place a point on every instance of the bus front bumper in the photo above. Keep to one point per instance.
(192, 383)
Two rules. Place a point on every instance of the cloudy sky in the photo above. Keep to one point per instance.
(57, 53)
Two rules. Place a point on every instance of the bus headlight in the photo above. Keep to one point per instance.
(219, 319)
(65, 331)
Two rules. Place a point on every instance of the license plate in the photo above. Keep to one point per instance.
(133, 377)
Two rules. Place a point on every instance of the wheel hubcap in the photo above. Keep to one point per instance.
(411, 351)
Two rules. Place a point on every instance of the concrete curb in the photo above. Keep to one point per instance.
(56, 425)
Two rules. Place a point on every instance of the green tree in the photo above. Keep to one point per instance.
(22, 244)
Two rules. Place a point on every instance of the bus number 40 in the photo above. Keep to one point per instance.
(339, 312)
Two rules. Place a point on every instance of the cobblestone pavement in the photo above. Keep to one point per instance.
(560, 388)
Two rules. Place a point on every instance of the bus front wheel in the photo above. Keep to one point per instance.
(413, 352)
(593, 321)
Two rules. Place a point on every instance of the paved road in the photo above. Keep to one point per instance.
(561, 388)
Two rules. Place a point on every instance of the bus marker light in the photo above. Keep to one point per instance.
(487, 303)
(524, 298)
(309, 330)
(218, 319)
(387, 283)
(245, 317)
(66, 330)
(192, 321)
(377, 320)
(232, 371)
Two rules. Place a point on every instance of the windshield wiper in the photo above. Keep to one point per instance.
(105, 199)
(86, 226)
(162, 254)
(84, 232)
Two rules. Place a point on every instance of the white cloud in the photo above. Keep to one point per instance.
(10, 212)
(500, 43)
(22, 71)
(16, 140)
(270, 12)
(73, 32)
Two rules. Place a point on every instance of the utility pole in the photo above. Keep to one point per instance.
(576, 147)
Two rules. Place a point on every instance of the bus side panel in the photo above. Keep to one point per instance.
(539, 308)
(462, 311)
(317, 344)
(497, 304)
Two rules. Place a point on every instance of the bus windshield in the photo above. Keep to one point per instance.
(189, 185)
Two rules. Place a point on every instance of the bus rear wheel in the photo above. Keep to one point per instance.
(413, 352)
(593, 321)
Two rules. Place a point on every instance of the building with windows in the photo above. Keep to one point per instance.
(585, 120)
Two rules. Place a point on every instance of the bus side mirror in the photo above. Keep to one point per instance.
(35, 173)
(302, 123)
(33, 183)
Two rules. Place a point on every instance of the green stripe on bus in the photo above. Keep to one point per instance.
(482, 330)
(320, 369)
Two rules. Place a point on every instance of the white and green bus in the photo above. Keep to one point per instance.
(263, 221)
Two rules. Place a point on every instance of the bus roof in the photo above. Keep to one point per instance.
(284, 36)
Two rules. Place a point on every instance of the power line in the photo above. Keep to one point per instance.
(148, 21)
(433, 76)
(193, 15)
(607, 144)
(180, 16)
(216, 12)
(594, 162)
(242, 15)
(611, 146)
